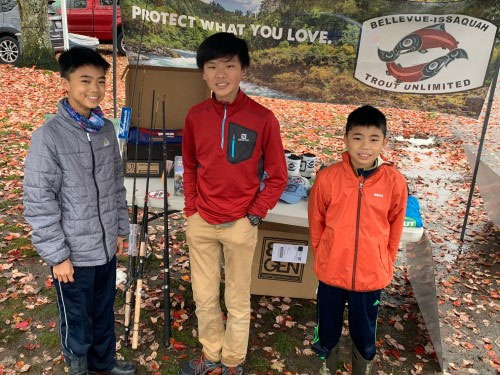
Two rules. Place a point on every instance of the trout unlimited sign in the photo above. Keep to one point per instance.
(424, 54)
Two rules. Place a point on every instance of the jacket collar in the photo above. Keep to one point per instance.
(346, 159)
(240, 101)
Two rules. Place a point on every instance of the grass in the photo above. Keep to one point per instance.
(18, 243)
(10, 307)
(307, 308)
(49, 340)
(48, 311)
(284, 343)
(186, 337)
(12, 228)
(27, 126)
(257, 362)
(11, 177)
(171, 369)
(30, 253)
(180, 236)
(6, 204)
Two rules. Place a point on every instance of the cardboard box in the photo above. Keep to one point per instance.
(282, 279)
(182, 88)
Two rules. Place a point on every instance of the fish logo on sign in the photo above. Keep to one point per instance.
(422, 41)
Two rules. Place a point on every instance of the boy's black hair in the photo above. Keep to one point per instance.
(221, 45)
(366, 116)
(76, 57)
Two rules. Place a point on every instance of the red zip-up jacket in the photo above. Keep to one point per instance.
(355, 224)
(225, 149)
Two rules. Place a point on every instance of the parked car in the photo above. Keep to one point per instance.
(94, 18)
(10, 31)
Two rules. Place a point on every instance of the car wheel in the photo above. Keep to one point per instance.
(9, 50)
(120, 44)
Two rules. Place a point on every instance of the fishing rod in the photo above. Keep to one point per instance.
(143, 240)
(166, 262)
(132, 240)
(132, 250)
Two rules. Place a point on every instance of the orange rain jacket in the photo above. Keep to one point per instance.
(355, 224)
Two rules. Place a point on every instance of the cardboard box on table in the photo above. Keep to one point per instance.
(182, 88)
(282, 279)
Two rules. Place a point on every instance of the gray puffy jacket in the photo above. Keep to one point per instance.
(74, 198)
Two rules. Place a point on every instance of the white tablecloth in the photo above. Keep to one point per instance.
(282, 213)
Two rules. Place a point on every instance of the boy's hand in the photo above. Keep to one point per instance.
(119, 246)
(63, 272)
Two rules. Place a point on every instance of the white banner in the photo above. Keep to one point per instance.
(440, 54)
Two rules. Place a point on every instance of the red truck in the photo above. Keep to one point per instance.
(94, 18)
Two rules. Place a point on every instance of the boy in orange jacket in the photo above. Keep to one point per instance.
(356, 213)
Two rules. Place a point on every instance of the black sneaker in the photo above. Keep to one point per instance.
(238, 370)
(200, 366)
(121, 368)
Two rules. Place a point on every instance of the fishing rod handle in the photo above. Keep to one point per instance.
(128, 311)
(137, 314)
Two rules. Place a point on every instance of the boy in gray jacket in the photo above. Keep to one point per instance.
(74, 200)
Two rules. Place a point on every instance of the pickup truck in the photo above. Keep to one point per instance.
(94, 18)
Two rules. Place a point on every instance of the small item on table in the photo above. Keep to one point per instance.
(157, 194)
(178, 176)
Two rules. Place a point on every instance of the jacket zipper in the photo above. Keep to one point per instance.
(98, 207)
(223, 126)
(232, 145)
(357, 235)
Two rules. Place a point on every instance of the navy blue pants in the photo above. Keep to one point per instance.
(362, 315)
(87, 321)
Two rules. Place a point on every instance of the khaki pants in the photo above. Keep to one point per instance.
(207, 242)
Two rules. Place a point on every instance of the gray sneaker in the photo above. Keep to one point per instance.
(200, 366)
(238, 370)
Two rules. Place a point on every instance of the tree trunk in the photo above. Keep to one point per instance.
(35, 38)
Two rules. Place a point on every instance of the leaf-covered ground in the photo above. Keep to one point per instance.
(425, 147)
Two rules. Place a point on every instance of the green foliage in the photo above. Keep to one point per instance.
(349, 7)
(351, 35)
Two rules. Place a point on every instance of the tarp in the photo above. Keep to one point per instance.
(381, 52)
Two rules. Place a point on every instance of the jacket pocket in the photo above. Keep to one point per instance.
(324, 248)
(383, 258)
(241, 143)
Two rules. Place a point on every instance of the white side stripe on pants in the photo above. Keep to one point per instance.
(65, 345)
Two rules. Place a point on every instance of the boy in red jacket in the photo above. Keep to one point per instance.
(356, 213)
(228, 142)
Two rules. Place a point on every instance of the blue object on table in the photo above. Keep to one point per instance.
(295, 191)
(124, 123)
(413, 217)
(156, 135)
